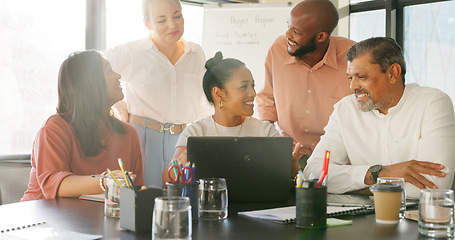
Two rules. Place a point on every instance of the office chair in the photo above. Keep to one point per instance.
(14, 177)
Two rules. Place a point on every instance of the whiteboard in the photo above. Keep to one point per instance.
(245, 32)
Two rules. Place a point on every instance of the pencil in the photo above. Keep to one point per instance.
(120, 163)
(115, 179)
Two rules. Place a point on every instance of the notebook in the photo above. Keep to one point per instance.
(287, 214)
(348, 200)
(94, 197)
(338, 205)
(43, 230)
(256, 169)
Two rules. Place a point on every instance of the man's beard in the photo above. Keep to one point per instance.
(308, 48)
(367, 106)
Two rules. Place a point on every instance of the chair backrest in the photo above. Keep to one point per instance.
(453, 184)
(14, 178)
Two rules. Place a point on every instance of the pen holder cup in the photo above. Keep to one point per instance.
(311, 207)
(190, 190)
(136, 208)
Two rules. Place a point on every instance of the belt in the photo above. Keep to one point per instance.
(157, 126)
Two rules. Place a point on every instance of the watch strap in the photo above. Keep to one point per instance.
(375, 172)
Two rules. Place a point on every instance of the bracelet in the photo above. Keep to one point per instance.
(101, 181)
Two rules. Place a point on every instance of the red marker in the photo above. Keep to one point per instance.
(325, 168)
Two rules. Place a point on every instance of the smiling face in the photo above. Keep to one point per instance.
(301, 33)
(113, 88)
(239, 93)
(166, 21)
(371, 86)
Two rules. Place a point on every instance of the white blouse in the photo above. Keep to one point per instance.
(156, 89)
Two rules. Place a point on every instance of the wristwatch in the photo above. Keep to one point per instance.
(375, 169)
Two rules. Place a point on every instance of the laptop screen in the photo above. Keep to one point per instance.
(256, 169)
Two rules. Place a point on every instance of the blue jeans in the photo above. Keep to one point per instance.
(157, 150)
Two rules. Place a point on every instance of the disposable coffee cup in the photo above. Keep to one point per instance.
(387, 202)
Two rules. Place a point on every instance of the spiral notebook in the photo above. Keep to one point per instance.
(42, 231)
(287, 214)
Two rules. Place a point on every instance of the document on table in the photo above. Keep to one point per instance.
(43, 231)
(287, 214)
(95, 197)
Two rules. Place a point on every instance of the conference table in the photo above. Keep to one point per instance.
(85, 216)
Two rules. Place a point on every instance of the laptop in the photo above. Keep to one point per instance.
(256, 169)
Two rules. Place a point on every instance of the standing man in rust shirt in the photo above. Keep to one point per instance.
(305, 74)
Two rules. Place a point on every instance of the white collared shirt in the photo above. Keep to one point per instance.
(156, 89)
(420, 127)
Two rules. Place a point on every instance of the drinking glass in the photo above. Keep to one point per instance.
(112, 197)
(213, 199)
(400, 181)
(172, 218)
(436, 213)
(190, 190)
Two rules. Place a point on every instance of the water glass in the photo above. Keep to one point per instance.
(112, 197)
(172, 218)
(436, 213)
(213, 199)
(190, 190)
(400, 182)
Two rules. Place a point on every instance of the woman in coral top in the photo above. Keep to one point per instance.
(82, 138)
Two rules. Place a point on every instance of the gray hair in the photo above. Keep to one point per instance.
(151, 8)
(383, 50)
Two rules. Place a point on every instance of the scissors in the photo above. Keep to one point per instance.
(180, 173)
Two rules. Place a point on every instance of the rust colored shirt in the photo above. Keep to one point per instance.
(57, 154)
(300, 98)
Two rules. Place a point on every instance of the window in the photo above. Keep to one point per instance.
(429, 45)
(424, 28)
(367, 24)
(35, 38)
(34, 41)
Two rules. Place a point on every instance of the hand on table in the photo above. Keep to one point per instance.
(412, 172)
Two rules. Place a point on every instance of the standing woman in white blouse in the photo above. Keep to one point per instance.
(162, 79)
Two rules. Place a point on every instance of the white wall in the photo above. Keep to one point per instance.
(343, 10)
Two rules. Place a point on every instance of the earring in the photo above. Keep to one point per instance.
(221, 104)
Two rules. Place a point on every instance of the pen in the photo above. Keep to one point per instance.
(194, 173)
(130, 180)
(98, 176)
(348, 205)
(299, 182)
(120, 163)
(174, 162)
(186, 173)
(115, 179)
(300, 175)
(325, 168)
